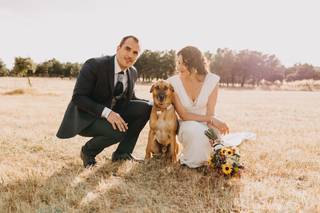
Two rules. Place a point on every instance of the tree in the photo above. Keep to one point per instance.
(316, 73)
(75, 69)
(245, 66)
(3, 69)
(305, 71)
(42, 69)
(72, 69)
(23, 67)
(272, 69)
(141, 65)
(167, 64)
(56, 68)
(300, 72)
(149, 65)
(223, 64)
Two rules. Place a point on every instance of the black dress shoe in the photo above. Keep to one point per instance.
(124, 156)
(87, 161)
(140, 160)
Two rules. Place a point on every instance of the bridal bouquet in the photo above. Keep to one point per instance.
(223, 159)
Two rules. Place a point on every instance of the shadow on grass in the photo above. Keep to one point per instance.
(60, 192)
(152, 186)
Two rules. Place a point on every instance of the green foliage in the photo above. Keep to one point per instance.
(223, 63)
(23, 66)
(156, 64)
(212, 134)
(234, 68)
(3, 69)
(246, 67)
(54, 68)
(301, 72)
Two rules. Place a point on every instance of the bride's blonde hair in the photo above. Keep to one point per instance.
(194, 60)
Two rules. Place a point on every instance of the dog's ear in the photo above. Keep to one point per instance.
(151, 89)
(171, 87)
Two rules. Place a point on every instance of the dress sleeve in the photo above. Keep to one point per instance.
(213, 82)
(173, 81)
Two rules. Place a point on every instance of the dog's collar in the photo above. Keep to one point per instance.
(169, 107)
(161, 110)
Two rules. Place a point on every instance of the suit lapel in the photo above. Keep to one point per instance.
(130, 83)
(110, 73)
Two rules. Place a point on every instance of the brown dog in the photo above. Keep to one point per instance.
(163, 122)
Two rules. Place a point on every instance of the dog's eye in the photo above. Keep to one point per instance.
(157, 87)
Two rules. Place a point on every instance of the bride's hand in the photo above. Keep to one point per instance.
(212, 143)
(221, 126)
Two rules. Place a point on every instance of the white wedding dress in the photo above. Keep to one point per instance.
(196, 147)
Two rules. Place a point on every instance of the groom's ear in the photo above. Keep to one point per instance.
(151, 89)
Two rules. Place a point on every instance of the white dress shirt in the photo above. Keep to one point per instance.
(106, 111)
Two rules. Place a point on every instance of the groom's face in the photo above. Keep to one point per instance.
(127, 53)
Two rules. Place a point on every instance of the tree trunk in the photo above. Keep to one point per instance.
(29, 82)
(243, 80)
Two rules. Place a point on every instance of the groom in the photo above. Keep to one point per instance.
(104, 105)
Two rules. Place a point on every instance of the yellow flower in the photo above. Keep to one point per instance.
(226, 169)
(211, 163)
(229, 152)
(223, 151)
(226, 151)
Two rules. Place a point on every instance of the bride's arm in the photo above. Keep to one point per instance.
(212, 101)
(185, 115)
(211, 105)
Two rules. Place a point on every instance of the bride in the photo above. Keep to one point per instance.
(195, 99)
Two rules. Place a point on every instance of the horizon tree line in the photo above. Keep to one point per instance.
(234, 68)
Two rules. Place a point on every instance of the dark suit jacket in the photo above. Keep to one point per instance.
(92, 92)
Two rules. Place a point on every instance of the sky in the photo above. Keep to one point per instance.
(75, 30)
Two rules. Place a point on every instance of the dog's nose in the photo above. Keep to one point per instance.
(161, 97)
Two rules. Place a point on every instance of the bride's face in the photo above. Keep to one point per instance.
(181, 68)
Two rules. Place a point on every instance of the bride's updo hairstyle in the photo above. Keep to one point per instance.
(194, 60)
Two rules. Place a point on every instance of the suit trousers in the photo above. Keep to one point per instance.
(136, 113)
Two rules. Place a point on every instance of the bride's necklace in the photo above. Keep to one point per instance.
(193, 82)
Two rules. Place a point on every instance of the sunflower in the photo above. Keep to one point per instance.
(226, 151)
(223, 151)
(226, 169)
(211, 162)
(229, 152)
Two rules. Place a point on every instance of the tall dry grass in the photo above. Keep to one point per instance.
(302, 85)
(40, 173)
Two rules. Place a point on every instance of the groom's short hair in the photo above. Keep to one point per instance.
(127, 37)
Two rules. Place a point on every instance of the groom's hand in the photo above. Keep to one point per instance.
(117, 122)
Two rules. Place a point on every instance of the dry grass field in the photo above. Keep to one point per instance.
(40, 173)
